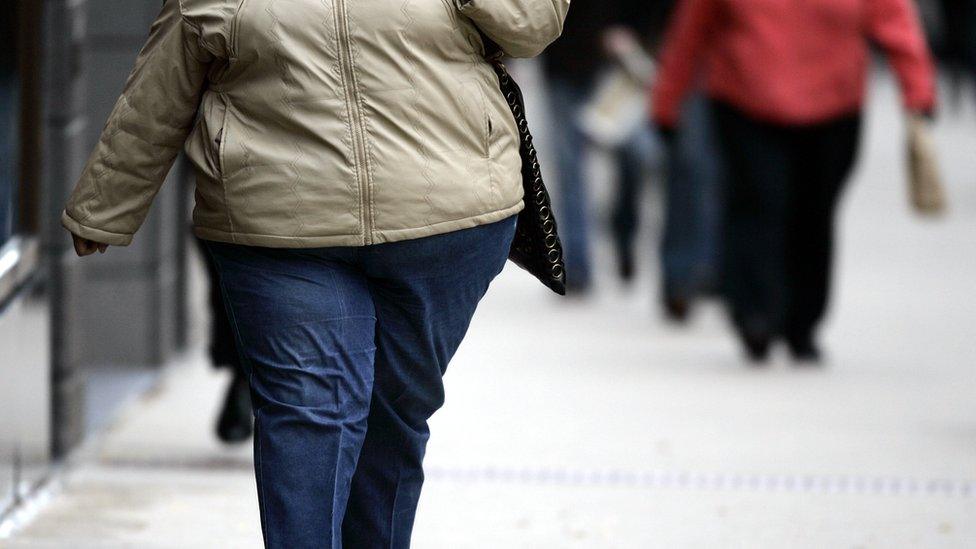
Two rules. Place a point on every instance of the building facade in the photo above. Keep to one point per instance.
(76, 336)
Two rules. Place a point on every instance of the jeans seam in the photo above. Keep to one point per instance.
(337, 528)
(263, 498)
(315, 321)
(335, 286)
(396, 498)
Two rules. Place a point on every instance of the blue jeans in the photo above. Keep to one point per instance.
(634, 159)
(345, 349)
(690, 247)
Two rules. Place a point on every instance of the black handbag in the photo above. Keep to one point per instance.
(536, 247)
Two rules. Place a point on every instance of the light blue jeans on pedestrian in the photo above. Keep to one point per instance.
(566, 100)
(690, 248)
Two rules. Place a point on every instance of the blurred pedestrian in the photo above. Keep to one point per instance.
(358, 180)
(571, 67)
(956, 40)
(599, 38)
(234, 421)
(689, 243)
(692, 238)
(628, 43)
(787, 83)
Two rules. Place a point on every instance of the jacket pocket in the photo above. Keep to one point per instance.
(487, 124)
(204, 144)
(489, 131)
(214, 134)
(221, 144)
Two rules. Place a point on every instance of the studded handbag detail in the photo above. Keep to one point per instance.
(536, 247)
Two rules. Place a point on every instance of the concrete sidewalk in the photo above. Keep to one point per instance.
(640, 438)
(597, 426)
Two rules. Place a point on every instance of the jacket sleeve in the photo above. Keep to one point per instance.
(894, 25)
(143, 135)
(522, 28)
(685, 43)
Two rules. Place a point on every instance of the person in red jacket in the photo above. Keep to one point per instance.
(787, 79)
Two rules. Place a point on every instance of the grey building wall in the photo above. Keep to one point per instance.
(124, 308)
(63, 27)
(131, 295)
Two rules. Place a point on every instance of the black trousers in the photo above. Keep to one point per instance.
(223, 348)
(782, 190)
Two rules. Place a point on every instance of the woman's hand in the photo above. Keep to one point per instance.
(84, 247)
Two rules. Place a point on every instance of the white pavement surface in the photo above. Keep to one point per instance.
(595, 425)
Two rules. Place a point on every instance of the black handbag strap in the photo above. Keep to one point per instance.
(536, 247)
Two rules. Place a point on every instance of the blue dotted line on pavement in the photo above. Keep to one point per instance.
(730, 482)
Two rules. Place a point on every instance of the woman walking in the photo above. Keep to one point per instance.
(358, 177)
(787, 81)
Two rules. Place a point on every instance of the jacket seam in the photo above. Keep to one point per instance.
(344, 113)
(147, 141)
(278, 236)
(198, 31)
(98, 174)
(85, 225)
(455, 220)
(363, 126)
(560, 22)
(352, 123)
(347, 116)
(381, 231)
(233, 33)
(198, 34)
(369, 144)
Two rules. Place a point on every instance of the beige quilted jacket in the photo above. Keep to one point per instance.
(317, 122)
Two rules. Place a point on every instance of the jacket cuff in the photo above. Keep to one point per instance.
(93, 234)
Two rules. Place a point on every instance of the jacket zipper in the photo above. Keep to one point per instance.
(356, 118)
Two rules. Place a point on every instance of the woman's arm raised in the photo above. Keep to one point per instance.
(522, 28)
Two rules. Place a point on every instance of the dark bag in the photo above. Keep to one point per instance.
(536, 247)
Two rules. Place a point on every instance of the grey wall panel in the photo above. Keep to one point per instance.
(63, 68)
(121, 17)
(121, 309)
(127, 298)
